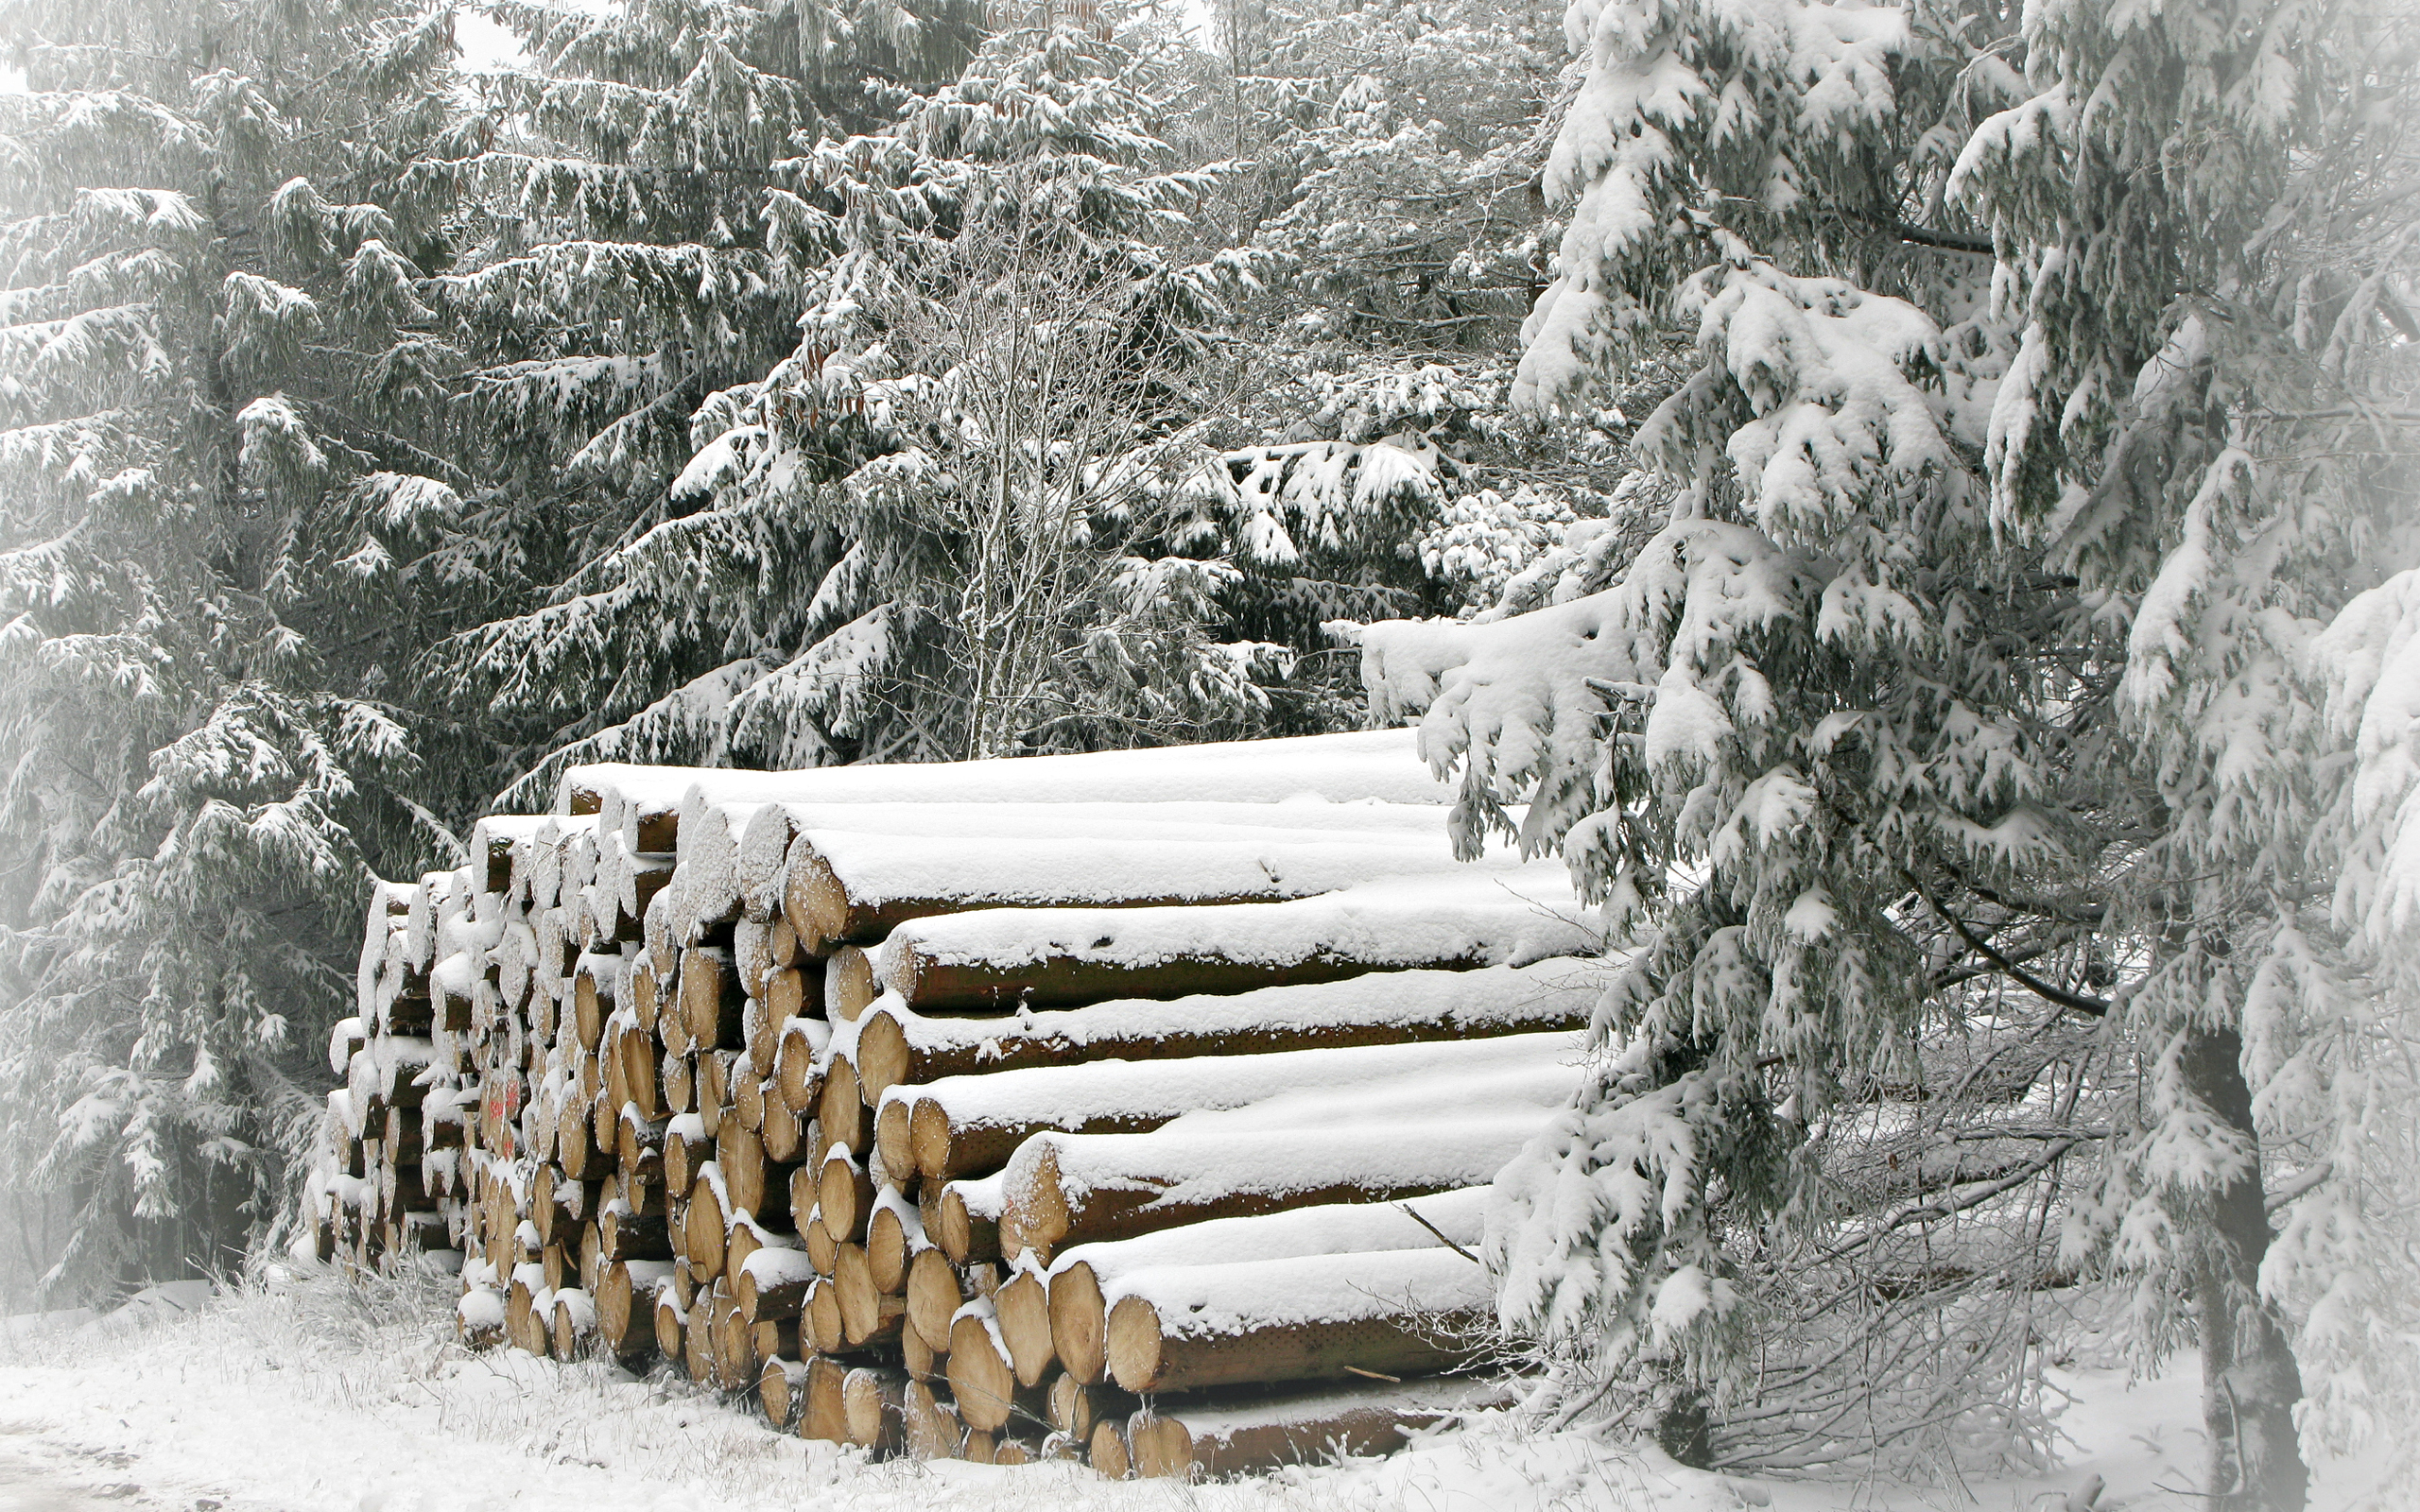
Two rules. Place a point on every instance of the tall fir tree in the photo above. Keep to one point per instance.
(210, 448)
(2050, 378)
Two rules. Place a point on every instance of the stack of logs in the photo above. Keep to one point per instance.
(1135, 1107)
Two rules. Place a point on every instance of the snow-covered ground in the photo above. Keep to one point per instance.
(318, 1396)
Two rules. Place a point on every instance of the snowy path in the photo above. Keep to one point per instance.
(318, 1401)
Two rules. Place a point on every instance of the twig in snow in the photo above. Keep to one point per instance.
(1457, 1249)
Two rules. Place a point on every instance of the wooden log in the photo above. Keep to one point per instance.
(850, 983)
(529, 1323)
(893, 1236)
(1395, 1313)
(747, 1101)
(641, 1056)
(711, 1003)
(698, 1339)
(773, 1283)
(981, 1380)
(574, 1323)
(678, 1078)
(930, 1424)
(576, 1148)
(935, 1292)
(479, 1319)
(867, 1315)
(998, 959)
(625, 1305)
(777, 1337)
(645, 991)
(1023, 1308)
(844, 887)
(686, 1148)
(823, 1251)
(873, 1402)
(826, 1413)
(965, 1219)
(845, 1119)
(671, 1320)
(844, 1197)
(1198, 1440)
(893, 1138)
(1072, 1407)
(627, 1235)
(781, 1390)
(705, 1225)
(919, 1359)
(593, 998)
(798, 1061)
(737, 1361)
(717, 1071)
(642, 1150)
(754, 1185)
(820, 1323)
(1077, 1282)
(1067, 1189)
(1107, 1451)
(897, 1046)
(969, 1126)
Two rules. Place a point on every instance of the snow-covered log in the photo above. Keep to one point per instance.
(1067, 1189)
(897, 1046)
(1081, 1283)
(969, 1125)
(998, 959)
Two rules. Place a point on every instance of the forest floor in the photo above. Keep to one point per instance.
(315, 1395)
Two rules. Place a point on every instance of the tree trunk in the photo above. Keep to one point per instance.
(2250, 1382)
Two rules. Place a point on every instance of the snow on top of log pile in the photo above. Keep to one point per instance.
(1497, 916)
(1377, 763)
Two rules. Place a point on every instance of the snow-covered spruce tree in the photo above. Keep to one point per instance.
(813, 585)
(2050, 383)
(209, 280)
(614, 275)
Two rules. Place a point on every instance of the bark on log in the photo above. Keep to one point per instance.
(897, 1046)
(1000, 958)
(1128, 1184)
(1396, 1313)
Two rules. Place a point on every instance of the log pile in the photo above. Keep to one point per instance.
(1135, 1109)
